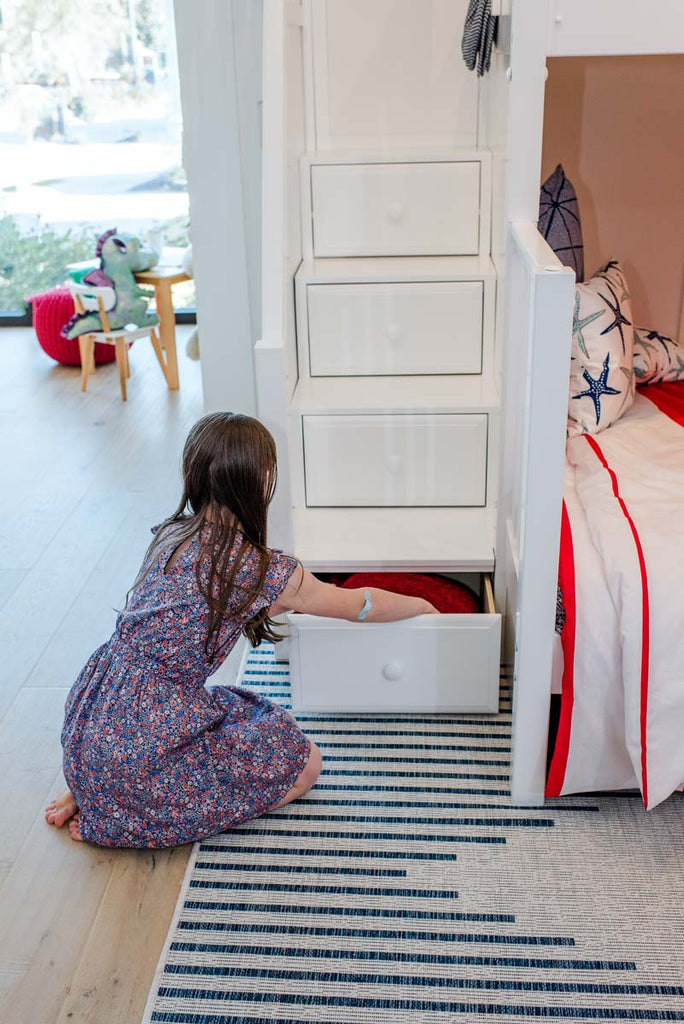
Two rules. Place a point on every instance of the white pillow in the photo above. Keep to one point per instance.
(601, 368)
(656, 357)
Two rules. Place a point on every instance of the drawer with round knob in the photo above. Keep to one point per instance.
(397, 460)
(395, 328)
(396, 209)
(428, 663)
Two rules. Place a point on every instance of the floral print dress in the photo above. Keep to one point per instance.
(154, 758)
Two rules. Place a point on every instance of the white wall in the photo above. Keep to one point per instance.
(617, 126)
(248, 48)
(219, 56)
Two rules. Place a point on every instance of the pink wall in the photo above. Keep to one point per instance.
(617, 126)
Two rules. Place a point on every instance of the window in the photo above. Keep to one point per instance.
(90, 136)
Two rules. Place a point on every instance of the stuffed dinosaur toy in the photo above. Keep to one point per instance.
(121, 256)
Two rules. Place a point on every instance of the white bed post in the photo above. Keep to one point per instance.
(539, 297)
(269, 355)
(283, 143)
(540, 306)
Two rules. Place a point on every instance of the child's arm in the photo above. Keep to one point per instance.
(304, 593)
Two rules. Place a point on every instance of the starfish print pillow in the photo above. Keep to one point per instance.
(601, 368)
(559, 221)
(657, 357)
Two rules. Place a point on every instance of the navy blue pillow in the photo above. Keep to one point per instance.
(559, 221)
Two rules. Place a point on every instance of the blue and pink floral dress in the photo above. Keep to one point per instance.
(154, 758)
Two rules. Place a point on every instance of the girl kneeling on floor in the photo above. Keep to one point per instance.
(151, 756)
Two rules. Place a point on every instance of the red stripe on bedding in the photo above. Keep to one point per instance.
(591, 441)
(566, 580)
(669, 398)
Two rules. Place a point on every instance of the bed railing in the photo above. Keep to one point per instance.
(540, 293)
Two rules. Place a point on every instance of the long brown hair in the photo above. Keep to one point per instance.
(229, 478)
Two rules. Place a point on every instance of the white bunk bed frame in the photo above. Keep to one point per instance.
(533, 331)
(538, 325)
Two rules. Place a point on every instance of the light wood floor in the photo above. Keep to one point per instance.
(82, 478)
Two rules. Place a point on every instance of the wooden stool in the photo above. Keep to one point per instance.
(121, 339)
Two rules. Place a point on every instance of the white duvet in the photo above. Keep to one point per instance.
(622, 713)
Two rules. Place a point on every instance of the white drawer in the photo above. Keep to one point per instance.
(400, 328)
(395, 460)
(429, 663)
(395, 209)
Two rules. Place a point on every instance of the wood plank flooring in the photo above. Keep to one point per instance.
(84, 476)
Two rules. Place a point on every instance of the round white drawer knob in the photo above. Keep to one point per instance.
(394, 463)
(395, 211)
(392, 671)
(393, 332)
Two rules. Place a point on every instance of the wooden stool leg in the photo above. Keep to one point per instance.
(167, 331)
(159, 354)
(84, 351)
(84, 365)
(92, 357)
(128, 365)
(121, 363)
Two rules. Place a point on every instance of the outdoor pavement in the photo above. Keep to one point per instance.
(95, 178)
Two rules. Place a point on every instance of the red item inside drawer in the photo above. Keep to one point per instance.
(446, 595)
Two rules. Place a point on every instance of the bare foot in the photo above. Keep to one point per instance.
(61, 810)
(75, 828)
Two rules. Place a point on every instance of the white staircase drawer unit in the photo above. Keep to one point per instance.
(395, 460)
(399, 328)
(396, 209)
(428, 663)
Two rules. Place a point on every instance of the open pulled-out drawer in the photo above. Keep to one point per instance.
(428, 663)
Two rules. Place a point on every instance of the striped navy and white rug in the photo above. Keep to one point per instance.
(406, 888)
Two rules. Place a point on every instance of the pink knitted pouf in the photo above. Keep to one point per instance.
(51, 311)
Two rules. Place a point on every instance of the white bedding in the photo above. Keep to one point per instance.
(622, 714)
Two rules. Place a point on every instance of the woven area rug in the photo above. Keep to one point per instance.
(406, 888)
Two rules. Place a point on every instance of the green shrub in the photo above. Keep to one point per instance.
(34, 262)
